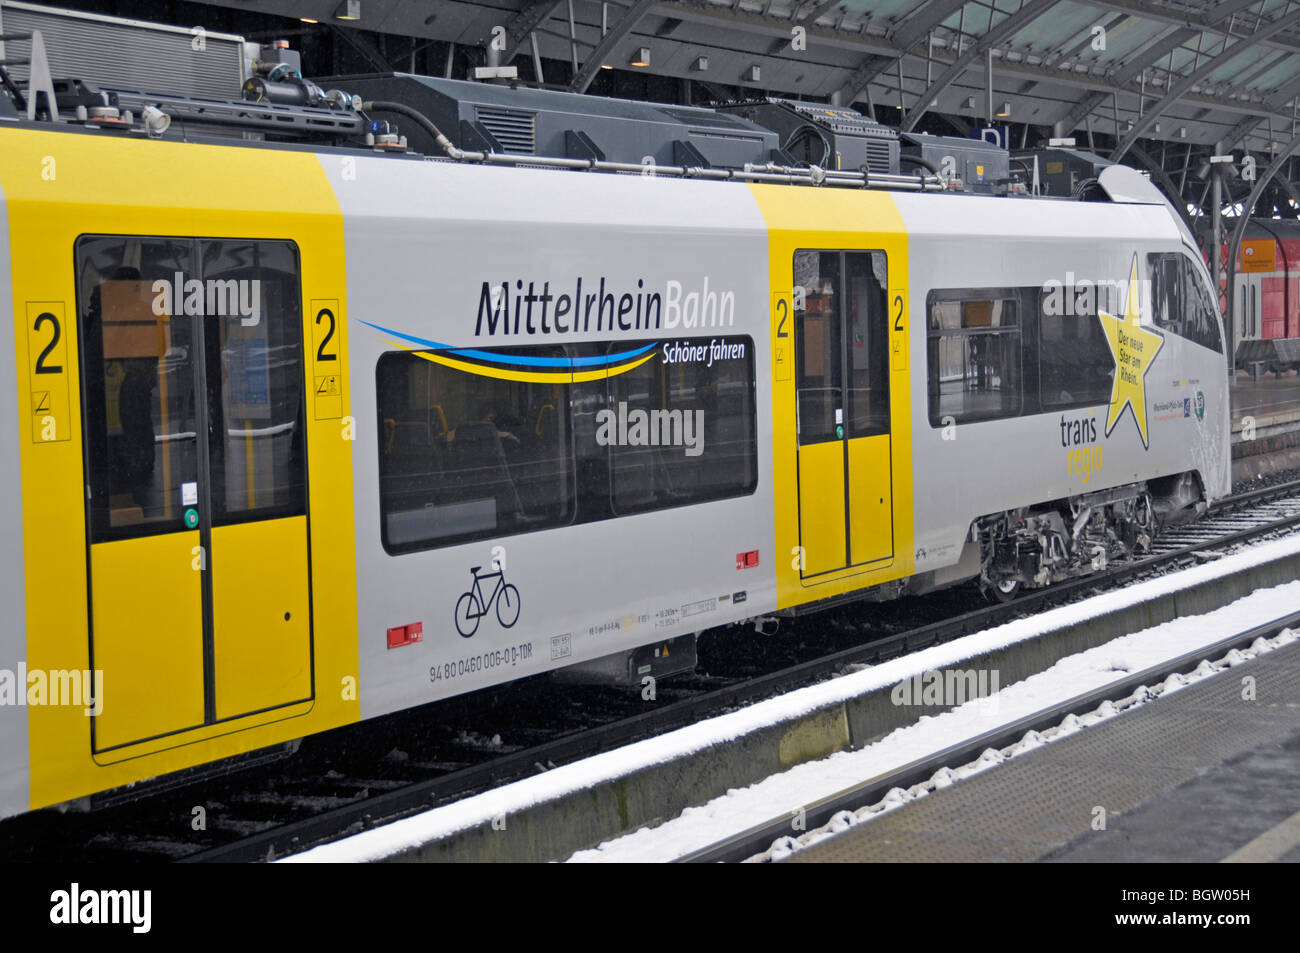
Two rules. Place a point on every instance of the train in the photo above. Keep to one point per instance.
(301, 435)
(1265, 297)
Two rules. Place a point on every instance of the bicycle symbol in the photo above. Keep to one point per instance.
(471, 606)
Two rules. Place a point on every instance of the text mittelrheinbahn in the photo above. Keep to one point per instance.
(534, 308)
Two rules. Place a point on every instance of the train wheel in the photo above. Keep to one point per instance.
(466, 617)
(1006, 589)
(508, 606)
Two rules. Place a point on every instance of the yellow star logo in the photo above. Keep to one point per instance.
(1134, 349)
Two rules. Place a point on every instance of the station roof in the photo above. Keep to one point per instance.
(1190, 71)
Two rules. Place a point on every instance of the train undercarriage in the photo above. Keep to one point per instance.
(1035, 546)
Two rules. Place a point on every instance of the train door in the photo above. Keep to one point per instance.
(842, 409)
(1250, 296)
(193, 400)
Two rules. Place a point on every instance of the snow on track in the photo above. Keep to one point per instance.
(481, 809)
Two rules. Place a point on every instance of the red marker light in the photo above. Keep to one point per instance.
(400, 635)
(747, 560)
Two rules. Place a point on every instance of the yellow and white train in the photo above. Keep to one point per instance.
(297, 438)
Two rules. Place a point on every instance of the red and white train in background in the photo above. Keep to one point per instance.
(1266, 296)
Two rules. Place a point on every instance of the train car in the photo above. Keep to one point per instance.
(1266, 296)
(301, 437)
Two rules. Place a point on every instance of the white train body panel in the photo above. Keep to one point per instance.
(420, 247)
(980, 242)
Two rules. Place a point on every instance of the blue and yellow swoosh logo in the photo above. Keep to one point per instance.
(526, 368)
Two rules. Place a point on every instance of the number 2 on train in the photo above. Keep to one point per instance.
(781, 335)
(898, 340)
(48, 357)
(329, 365)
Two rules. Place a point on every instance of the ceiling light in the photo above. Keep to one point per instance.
(308, 20)
(753, 75)
(642, 57)
(1004, 111)
(970, 102)
(701, 64)
(348, 10)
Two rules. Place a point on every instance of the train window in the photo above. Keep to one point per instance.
(465, 455)
(468, 455)
(588, 406)
(866, 281)
(680, 428)
(234, 327)
(1180, 302)
(254, 378)
(841, 339)
(1201, 321)
(141, 428)
(820, 370)
(974, 354)
(1075, 365)
(1167, 292)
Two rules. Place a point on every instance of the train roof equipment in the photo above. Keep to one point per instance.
(75, 72)
(1061, 172)
(971, 165)
(521, 121)
(828, 136)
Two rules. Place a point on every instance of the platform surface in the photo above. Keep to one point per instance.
(1199, 775)
(1266, 398)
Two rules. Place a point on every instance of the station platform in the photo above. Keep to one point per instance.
(1200, 775)
(1264, 399)
(1265, 426)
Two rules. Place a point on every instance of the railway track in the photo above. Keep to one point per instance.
(771, 839)
(1234, 514)
(364, 776)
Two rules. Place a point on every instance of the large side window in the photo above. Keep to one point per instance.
(1075, 365)
(974, 352)
(682, 430)
(467, 451)
(466, 455)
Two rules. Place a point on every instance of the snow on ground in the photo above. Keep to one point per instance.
(513, 798)
(739, 810)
